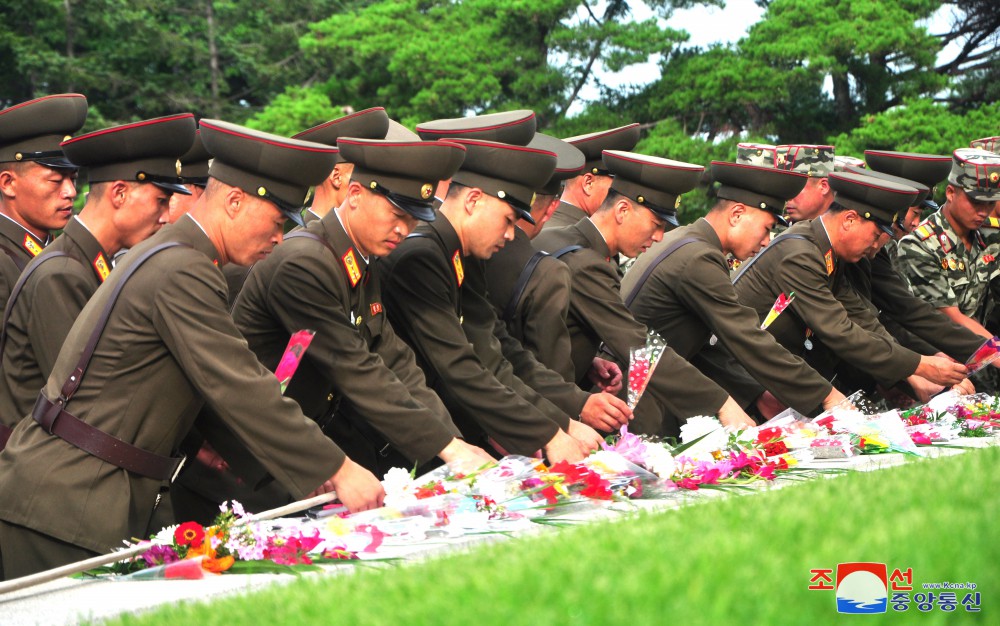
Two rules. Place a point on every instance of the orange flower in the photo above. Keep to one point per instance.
(217, 566)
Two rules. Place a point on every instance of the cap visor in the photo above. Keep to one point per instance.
(780, 220)
(421, 210)
(58, 163)
(992, 195)
(930, 204)
(173, 187)
(886, 228)
(671, 219)
(294, 216)
(524, 215)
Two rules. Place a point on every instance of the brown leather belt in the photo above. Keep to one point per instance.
(5, 433)
(57, 421)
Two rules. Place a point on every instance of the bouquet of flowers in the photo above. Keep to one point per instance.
(777, 309)
(642, 362)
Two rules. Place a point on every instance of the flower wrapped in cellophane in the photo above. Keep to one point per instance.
(642, 362)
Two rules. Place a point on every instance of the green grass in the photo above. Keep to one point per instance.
(738, 560)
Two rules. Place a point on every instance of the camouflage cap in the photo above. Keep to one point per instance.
(926, 169)
(977, 172)
(569, 162)
(761, 154)
(990, 144)
(371, 123)
(144, 152)
(511, 127)
(880, 201)
(398, 132)
(762, 187)
(405, 172)
(33, 130)
(277, 169)
(511, 173)
(652, 182)
(841, 163)
(922, 189)
(813, 161)
(593, 146)
(194, 163)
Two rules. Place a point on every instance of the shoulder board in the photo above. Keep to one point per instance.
(924, 231)
(991, 222)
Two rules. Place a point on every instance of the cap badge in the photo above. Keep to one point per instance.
(994, 177)
(677, 203)
(67, 137)
(262, 191)
(426, 190)
(177, 166)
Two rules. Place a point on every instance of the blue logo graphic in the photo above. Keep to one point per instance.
(862, 588)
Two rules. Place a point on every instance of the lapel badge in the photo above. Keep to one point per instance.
(456, 261)
(351, 267)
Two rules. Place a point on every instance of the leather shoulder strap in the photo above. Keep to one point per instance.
(564, 251)
(521, 284)
(680, 243)
(768, 248)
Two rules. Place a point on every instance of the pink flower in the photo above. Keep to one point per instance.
(159, 555)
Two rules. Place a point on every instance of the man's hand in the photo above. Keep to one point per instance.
(768, 405)
(464, 457)
(211, 459)
(562, 447)
(733, 417)
(587, 436)
(942, 371)
(606, 412)
(924, 388)
(833, 398)
(964, 388)
(356, 487)
(606, 375)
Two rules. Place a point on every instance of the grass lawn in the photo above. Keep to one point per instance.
(738, 560)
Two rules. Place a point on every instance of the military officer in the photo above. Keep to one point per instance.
(809, 259)
(435, 296)
(152, 345)
(990, 144)
(194, 171)
(371, 123)
(641, 200)
(681, 288)
(584, 194)
(945, 260)
(37, 183)
(132, 174)
(816, 162)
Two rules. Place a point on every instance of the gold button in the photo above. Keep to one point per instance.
(329, 398)
(640, 199)
(141, 175)
(261, 191)
(501, 194)
(373, 185)
(18, 156)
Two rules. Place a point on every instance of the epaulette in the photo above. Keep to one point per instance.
(991, 222)
(924, 231)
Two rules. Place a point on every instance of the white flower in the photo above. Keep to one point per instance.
(660, 461)
(166, 535)
(715, 437)
(397, 484)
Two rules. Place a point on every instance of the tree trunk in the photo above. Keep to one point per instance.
(213, 58)
(68, 5)
(842, 103)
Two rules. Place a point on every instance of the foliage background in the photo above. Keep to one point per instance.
(855, 73)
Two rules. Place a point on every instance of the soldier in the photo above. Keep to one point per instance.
(435, 297)
(37, 183)
(82, 473)
(990, 144)
(583, 195)
(368, 124)
(945, 260)
(758, 154)
(194, 172)
(132, 173)
(681, 288)
(816, 162)
(641, 200)
(809, 259)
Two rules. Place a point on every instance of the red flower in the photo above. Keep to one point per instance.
(189, 534)
(776, 448)
(768, 435)
(574, 473)
(597, 488)
(551, 494)
(429, 490)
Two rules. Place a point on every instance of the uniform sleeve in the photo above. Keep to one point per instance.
(817, 307)
(190, 316)
(677, 384)
(706, 290)
(418, 294)
(304, 293)
(922, 269)
(58, 295)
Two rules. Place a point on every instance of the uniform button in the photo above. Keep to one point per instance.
(329, 398)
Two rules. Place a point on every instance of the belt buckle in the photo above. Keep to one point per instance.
(56, 407)
(180, 466)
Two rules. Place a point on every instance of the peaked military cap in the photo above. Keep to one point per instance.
(652, 182)
(569, 161)
(368, 124)
(405, 172)
(512, 127)
(990, 144)
(813, 161)
(511, 173)
(758, 186)
(977, 172)
(880, 201)
(33, 130)
(926, 169)
(922, 189)
(593, 146)
(756, 154)
(194, 163)
(144, 152)
(277, 169)
(398, 132)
